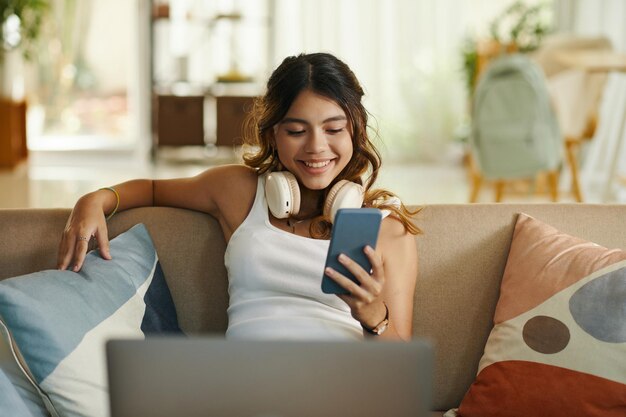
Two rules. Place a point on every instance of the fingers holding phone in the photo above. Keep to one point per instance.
(354, 269)
(363, 296)
(363, 285)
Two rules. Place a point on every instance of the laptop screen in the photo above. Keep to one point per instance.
(206, 376)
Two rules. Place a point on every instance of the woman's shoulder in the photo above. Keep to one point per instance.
(392, 228)
(235, 172)
(397, 244)
(394, 237)
(231, 179)
(233, 191)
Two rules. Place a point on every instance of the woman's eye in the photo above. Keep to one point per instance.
(334, 131)
(295, 132)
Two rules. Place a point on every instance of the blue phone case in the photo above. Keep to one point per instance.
(353, 229)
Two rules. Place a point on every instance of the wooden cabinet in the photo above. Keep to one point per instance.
(231, 113)
(180, 120)
(12, 133)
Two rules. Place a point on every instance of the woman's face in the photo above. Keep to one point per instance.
(313, 140)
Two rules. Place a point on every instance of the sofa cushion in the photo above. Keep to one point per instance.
(559, 338)
(59, 321)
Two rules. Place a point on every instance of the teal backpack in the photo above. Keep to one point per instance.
(515, 133)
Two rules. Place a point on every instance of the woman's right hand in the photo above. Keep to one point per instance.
(87, 221)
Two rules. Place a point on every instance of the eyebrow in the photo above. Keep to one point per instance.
(303, 121)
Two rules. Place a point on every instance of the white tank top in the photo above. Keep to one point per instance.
(275, 284)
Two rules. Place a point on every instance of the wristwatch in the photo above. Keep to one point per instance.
(380, 327)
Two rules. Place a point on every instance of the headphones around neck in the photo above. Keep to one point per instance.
(282, 193)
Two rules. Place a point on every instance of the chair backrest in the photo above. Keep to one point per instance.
(515, 133)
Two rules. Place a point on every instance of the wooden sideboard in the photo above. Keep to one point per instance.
(13, 148)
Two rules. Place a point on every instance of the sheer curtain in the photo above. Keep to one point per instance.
(593, 18)
(407, 55)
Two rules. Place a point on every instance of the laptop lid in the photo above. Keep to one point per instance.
(205, 376)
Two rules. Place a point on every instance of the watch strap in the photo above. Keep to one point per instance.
(380, 327)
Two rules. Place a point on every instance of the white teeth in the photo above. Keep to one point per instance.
(316, 164)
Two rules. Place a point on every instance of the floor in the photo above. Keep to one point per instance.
(47, 180)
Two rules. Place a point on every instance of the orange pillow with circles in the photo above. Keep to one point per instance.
(558, 346)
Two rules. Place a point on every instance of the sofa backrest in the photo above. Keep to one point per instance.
(190, 246)
(462, 253)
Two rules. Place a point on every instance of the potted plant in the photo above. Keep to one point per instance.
(518, 28)
(20, 23)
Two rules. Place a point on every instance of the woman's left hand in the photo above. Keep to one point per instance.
(363, 298)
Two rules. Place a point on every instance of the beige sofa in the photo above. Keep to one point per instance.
(462, 254)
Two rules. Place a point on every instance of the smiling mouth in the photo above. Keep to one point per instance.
(316, 164)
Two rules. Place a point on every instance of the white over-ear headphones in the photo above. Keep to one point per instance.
(282, 193)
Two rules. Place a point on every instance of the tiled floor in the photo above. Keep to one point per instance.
(58, 180)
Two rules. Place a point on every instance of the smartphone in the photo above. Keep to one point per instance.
(353, 229)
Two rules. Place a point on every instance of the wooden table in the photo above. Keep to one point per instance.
(593, 61)
(614, 63)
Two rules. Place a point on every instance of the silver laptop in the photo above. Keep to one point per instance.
(214, 377)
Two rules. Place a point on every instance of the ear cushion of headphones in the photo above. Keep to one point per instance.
(344, 194)
(282, 194)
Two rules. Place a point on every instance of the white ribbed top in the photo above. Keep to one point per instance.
(275, 284)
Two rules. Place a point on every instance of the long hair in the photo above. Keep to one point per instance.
(328, 76)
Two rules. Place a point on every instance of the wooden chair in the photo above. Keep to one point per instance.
(549, 178)
(487, 52)
(577, 115)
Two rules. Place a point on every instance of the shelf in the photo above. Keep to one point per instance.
(205, 67)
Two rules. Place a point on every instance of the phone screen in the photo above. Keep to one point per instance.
(353, 229)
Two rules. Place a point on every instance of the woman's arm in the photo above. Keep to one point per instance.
(399, 256)
(211, 191)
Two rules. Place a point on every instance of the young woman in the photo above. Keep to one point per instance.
(308, 132)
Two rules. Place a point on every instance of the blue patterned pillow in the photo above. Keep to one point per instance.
(14, 381)
(11, 403)
(59, 321)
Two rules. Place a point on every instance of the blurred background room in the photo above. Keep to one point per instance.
(96, 92)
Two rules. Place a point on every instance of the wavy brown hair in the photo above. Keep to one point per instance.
(328, 76)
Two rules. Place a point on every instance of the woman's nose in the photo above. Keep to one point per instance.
(316, 142)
